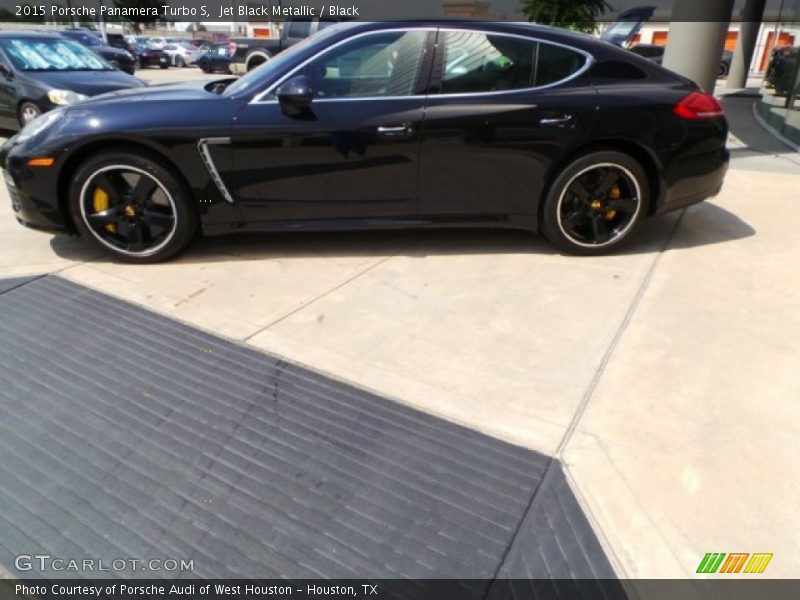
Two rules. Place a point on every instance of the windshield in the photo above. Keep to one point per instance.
(266, 71)
(51, 54)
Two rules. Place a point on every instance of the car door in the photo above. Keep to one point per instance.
(355, 153)
(502, 110)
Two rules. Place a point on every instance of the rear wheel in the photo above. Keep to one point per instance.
(723, 70)
(179, 62)
(205, 67)
(132, 207)
(595, 203)
(27, 112)
(164, 65)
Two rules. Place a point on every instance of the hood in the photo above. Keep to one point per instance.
(89, 83)
(156, 93)
(630, 22)
(110, 51)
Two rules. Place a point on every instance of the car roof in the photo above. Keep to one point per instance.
(544, 32)
(29, 34)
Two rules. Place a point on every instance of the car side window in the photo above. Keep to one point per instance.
(477, 62)
(557, 63)
(378, 65)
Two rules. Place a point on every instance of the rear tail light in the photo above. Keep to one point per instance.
(699, 106)
(232, 47)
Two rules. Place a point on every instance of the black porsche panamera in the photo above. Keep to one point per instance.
(381, 125)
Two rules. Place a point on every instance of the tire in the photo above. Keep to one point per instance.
(27, 112)
(723, 70)
(164, 66)
(205, 67)
(179, 62)
(256, 59)
(144, 228)
(578, 217)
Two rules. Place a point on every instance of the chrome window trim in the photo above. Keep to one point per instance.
(590, 60)
(205, 154)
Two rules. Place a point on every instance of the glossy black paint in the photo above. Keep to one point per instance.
(422, 160)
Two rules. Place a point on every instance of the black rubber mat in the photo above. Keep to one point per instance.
(128, 435)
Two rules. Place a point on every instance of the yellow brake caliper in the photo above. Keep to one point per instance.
(615, 194)
(99, 204)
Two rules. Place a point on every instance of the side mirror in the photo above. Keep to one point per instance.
(6, 72)
(295, 96)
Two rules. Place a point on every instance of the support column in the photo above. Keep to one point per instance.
(697, 38)
(752, 15)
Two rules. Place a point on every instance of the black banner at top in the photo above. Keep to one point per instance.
(225, 11)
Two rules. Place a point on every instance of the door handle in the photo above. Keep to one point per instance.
(404, 130)
(557, 121)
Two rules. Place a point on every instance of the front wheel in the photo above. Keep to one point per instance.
(132, 207)
(179, 62)
(595, 203)
(28, 111)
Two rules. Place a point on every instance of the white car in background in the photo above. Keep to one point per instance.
(181, 54)
(158, 42)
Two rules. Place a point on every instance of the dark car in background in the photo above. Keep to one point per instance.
(41, 71)
(655, 53)
(122, 59)
(382, 125)
(148, 55)
(215, 58)
(117, 40)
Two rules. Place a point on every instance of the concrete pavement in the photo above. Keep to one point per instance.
(664, 377)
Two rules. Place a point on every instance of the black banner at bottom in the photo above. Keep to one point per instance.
(406, 589)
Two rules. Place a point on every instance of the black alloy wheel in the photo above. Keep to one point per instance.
(596, 203)
(132, 207)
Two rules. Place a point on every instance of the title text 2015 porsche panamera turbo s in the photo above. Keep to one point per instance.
(381, 125)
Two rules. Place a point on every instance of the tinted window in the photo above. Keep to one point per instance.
(383, 64)
(557, 63)
(478, 62)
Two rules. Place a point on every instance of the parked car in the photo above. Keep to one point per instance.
(364, 126)
(249, 53)
(655, 53)
(181, 54)
(41, 71)
(117, 40)
(148, 55)
(216, 58)
(157, 42)
(122, 59)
